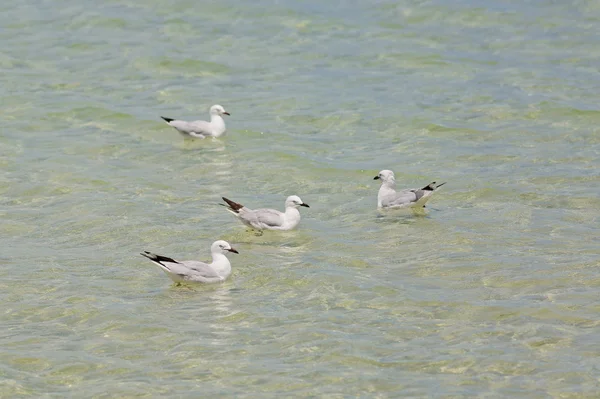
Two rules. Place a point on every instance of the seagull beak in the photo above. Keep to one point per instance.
(303, 204)
(233, 250)
(376, 178)
(226, 113)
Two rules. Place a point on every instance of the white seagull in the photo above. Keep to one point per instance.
(268, 219)
(194, 271)
(202, 129)
(388, 197)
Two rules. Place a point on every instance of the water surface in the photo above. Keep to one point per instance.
(492, 293)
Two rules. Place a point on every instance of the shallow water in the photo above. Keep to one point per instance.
(493, 292)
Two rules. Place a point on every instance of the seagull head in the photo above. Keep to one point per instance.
(222, 247)
(386, 176)
(218, 110)
(293, 201)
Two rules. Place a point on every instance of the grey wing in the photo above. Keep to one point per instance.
(268, 217)
(197, 127)
(201, 127)
(196, 268)
(400, 198)
(419, 193)
(179, 268)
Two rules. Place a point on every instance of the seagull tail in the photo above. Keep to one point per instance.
(168, 120)
(431, 186)
(234, 207)
(158, 259)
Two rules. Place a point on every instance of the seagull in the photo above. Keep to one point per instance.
(202, 129)
(194, 271)
(268, 219)
(388, 197)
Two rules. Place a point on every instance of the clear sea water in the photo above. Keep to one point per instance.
(492, 293)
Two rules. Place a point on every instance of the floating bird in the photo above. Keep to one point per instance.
(388, 197)
(268, 219)
(194, 271)
(202, 129)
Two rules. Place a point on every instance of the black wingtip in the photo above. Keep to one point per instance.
(167, 119)
(432, 187)
(234, 206)
(158, 258)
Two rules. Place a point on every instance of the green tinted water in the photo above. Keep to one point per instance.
(492, 293)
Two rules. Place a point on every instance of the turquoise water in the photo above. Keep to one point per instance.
(492, 293)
